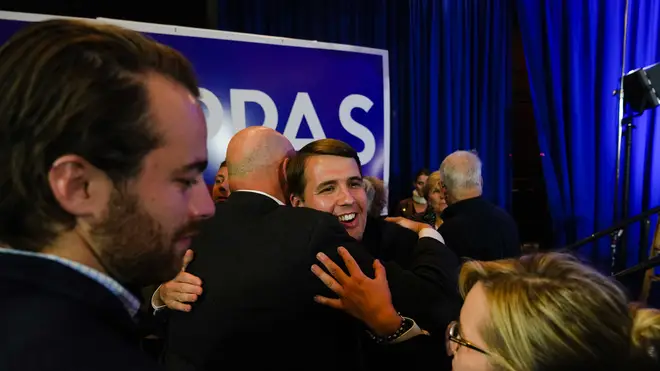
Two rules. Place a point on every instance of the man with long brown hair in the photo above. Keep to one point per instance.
(102, 148)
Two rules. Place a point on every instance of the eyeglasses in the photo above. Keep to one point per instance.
(454, 335)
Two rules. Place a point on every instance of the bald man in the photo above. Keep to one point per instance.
(257, 310)
(472, 226)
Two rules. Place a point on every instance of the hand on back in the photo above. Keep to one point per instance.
(184, 289)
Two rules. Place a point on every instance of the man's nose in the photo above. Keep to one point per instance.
(345, 197)
(201, 204)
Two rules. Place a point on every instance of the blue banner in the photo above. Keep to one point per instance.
(304, 89)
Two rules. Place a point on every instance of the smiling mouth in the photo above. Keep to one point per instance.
(347, 218)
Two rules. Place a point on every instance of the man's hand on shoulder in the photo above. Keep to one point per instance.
(422, 229)
(178, 293)
(366, 299)
(407, 223)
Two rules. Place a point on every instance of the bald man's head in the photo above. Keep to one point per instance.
(255, 159)
(461, 176)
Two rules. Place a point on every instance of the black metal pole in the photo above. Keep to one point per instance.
(620, 225)
(626, 168)
(628, 129)
(643, 251)
(617, 179)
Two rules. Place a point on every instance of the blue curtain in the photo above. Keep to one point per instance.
(449, 72)
(573, 52)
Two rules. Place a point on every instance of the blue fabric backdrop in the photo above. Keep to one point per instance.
(574, 53)
(449, 72)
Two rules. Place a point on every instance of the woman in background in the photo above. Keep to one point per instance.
(435, 199)
(417, 203)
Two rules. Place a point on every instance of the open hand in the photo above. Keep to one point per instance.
(366, 299)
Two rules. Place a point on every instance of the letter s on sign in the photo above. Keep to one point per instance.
(347, 105)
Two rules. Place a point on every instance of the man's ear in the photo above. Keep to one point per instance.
(80, 188)
(296, 201)
(285, 163)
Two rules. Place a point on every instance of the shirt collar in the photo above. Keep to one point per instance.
(263, 194)
(130, 302)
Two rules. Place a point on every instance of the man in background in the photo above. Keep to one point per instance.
(220, 190)
(472, 226)
(102, 142)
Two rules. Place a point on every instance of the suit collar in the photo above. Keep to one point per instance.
(463, 206)
(263, 194)
(250, 202)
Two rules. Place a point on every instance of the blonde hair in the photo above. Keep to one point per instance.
(551, 312)
(646, 333)
(431, 183)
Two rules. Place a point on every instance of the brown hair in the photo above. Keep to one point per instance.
(73, 87)
(376, 196)
(295, 170)
(421, 172)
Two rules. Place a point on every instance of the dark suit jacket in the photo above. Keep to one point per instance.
(434, 298)
(395, 244)
(257, 310)
(405, 208)
(477, 229)
(54, 318)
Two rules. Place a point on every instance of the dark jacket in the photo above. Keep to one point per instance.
(477, 229)
(257, 310)
(55, 318)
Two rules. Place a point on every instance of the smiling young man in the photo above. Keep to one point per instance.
(326, 175)
(102, 142)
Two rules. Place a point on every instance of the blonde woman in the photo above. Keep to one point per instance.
(542, 312)
(435, 198)
(548, 312)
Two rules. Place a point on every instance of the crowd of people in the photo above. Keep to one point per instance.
(103, 148)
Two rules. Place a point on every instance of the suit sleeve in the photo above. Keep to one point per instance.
(449, 232)
(428, 291)
(417, 293)
(328, 235)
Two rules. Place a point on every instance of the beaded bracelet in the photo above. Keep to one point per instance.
(406, 325)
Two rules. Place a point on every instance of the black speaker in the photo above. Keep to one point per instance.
(639, 88)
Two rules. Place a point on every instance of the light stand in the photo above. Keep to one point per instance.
(617, 179)
(640, 96)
